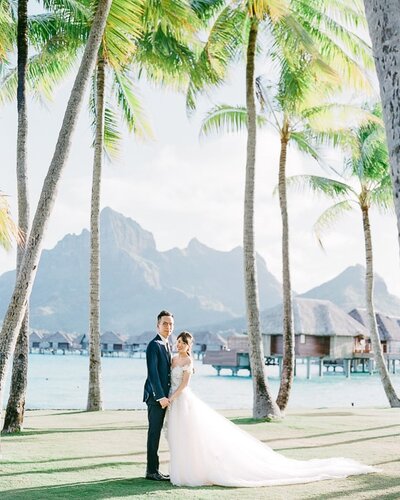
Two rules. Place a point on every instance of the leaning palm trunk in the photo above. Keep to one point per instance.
(384, 28)
(14, 417)
(94, 402)
(17, 307)
(373, 328)
(263, 403)
(288, 361)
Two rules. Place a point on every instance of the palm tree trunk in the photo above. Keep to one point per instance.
(288, 333)
(94, 402)
(263, 403)
(17, 306)
(384, 28)
(14, 417)
(373, 328)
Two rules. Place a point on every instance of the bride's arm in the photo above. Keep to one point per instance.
(182, 385)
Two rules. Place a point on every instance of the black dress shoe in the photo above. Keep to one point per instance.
(156, 476)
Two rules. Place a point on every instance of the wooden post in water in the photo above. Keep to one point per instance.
(321, 367)
(347, 367)
(308, 368)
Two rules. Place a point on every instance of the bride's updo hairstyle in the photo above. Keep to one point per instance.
(187, 338)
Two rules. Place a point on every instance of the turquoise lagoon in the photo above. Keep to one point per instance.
(60, 382)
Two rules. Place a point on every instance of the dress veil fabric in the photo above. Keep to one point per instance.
(206, 448)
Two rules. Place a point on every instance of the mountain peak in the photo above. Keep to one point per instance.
(125, 233)
(347, 290)
(197, 246)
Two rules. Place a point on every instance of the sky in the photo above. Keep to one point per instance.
(180, 187)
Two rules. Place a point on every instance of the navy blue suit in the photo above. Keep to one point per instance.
(157, 386)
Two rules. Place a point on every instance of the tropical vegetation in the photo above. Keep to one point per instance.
(365, 184)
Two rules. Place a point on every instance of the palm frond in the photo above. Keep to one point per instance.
(112, 134)
(227, 119)
(321, 185)
(330, 216)
(130, 105)
(337, 117)
(224, 43)
(8, 229)
(164, 60)
(274, 9)
(382, 195)
(45, 70)
(306, 144)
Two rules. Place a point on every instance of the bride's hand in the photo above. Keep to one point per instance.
(164, 402)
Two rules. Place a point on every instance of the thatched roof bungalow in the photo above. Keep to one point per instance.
(35, 340)
(388, 328)
(112, 342)
(59, 340)
(208, 341)
(321, 329)
(139, 342)
(238, 341)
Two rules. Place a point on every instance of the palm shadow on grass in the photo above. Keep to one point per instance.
(336, 443)
(68, 459)
(78, 468)
(106, 488)
(250, 421)
(363, 484)
(348, 431)
(64, 430)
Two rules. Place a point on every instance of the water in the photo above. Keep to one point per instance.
(60, 382)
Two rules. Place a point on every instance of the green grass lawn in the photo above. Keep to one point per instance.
(76, 455)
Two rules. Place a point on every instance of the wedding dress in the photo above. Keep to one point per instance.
(206, 448)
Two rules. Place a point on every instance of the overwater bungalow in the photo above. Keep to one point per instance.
(389, 333)
(208, 341)
(112, 343)
(322, 330)
(59, 341)
(238, 341)
(324, 334)
(35, 341)
(138, 343)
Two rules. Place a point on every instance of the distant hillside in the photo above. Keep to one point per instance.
(199, 284)
(347, 290)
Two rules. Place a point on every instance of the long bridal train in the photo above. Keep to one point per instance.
(206, 449)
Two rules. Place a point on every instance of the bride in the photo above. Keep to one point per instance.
(206, 448)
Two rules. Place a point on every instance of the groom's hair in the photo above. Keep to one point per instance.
(163, 313)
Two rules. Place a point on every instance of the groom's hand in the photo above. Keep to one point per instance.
(164, 402)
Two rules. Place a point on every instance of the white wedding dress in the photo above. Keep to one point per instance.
(206, 448)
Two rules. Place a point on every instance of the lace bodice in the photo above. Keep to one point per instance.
(177, 374)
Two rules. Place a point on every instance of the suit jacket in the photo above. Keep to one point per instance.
(158, 380)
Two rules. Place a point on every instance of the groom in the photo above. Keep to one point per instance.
(156, 390)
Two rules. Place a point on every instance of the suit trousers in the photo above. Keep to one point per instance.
(156, 416)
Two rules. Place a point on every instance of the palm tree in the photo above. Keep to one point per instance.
(300, 38)
(383, 22)
(367, 164)
(133, 55)
(17, 306)
(263, 402)
(52, 39)
(15, 410)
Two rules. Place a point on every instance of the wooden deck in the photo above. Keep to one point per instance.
(235, 360)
